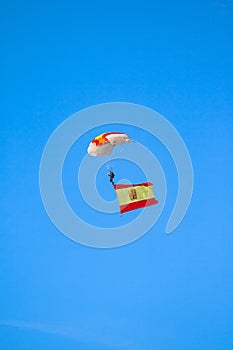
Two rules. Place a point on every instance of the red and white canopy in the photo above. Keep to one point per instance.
(104, 143)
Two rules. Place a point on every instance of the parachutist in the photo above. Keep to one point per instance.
(111, 176)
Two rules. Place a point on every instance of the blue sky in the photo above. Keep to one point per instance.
(162, 291)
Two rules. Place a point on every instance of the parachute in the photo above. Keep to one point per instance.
(130, 197)
(103, 144)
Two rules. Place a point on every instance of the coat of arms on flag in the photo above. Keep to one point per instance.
(131, 197)
(132, 193)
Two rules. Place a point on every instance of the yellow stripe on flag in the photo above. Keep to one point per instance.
(134, 194)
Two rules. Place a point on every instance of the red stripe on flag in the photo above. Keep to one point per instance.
(137, 205)
(120, 186)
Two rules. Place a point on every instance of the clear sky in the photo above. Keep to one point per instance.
(164, 292)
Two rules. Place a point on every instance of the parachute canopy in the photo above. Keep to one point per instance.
(104, 143)
(131, 197)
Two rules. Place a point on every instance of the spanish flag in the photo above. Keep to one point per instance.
(131, 197)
